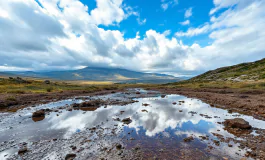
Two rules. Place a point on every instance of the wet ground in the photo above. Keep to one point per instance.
(155, 126)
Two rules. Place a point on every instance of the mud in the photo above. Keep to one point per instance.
(132, 124)
(249, 102)
(20, 101)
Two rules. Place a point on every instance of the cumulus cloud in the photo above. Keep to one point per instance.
(65, 34)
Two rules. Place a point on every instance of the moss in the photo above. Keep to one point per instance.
(11, 98)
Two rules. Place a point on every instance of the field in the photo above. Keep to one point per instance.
(244, 85)
(22, 86)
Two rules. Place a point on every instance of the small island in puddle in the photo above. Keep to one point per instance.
(133, 124)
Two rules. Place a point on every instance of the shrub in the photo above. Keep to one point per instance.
(50, 89)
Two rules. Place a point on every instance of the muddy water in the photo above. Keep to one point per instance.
(157, 130)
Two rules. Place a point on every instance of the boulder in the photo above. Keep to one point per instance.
(237, 123)
(39, 113)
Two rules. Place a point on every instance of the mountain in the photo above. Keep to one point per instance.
(241, 72)
(117, 75)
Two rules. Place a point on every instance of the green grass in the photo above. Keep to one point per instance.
(247, 85)
(38, 86)
(246, 71)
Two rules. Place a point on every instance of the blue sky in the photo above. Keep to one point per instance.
(161, 20)
(177, 37)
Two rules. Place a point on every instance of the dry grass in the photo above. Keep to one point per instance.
(38, 86)
(260, 84)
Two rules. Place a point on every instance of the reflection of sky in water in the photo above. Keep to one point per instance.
(161, 114)
(162, 118)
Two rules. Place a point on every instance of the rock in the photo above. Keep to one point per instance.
(237, 123)
(93, 103)
(188, 139)
(70, 156)
(118, 146)
(47, 82)
(116, 119)
(39, 113)
(138, 93)
(144, 110)
(217, 143)
(145, 104)
(163, 96)
(23, 150)
(122, 112)
(230, 111)
(174, 103)
(73, 147)
(127, 120)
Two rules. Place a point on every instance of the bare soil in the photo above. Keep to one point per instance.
(251, 102)
(13, 102)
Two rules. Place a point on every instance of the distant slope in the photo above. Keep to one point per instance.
(102, 74)
(241, 72)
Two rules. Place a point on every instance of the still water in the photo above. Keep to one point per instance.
(158, 127)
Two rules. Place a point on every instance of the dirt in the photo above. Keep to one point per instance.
(248, 103)
(251, 102)
(20, 101)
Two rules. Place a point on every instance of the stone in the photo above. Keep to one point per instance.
(70, 156)
(127, 120)
(237, 123)
(118, 146)
(188, 139)
(47, 82)
(39, 113)
(23, 150)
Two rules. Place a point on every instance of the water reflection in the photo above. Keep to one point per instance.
(162, 125)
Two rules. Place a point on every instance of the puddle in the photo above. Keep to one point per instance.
(158, 128)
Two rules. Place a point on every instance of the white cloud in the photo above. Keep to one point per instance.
(108, 12)
(188, 13)
(194, 31)
(166, 3)
(141, 22)
(184, 23)
(48, 37)
(219, 4)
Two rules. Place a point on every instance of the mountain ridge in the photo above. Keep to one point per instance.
(118, 75)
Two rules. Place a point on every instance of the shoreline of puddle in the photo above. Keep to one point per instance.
(156, 130)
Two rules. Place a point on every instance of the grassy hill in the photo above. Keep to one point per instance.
(252, 71)
(245, 75)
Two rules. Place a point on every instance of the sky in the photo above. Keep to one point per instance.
(177, 37)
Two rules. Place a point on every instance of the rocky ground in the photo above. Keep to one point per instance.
(103, 143)
(249, 102)
(19, 101)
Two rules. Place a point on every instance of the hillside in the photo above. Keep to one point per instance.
(116, 75)
(252, 71)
